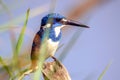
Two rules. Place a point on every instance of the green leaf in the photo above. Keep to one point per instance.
(40, 63)
(104, 71)
(5, 66)
(21, 38)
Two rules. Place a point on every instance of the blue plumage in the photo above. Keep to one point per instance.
(51, 26)
(54, 17)
(51, 34)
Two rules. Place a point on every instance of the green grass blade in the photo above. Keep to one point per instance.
(52, 6)
(104, 71)
(34, 12)
(70, 44)
(59, 47)
(20, 39)
(43, 46)
(4, 5)
(6, 9)
(5, 66)
(42, 56)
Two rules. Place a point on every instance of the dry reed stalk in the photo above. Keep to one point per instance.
(55, 70)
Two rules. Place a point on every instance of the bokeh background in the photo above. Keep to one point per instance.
(89, 51)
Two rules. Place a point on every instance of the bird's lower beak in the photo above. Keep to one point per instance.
(74, 23)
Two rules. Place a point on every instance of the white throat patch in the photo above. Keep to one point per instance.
(57, 31)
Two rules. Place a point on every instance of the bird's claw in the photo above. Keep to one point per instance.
(57, 62)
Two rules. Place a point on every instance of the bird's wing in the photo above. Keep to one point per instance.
(36, 46)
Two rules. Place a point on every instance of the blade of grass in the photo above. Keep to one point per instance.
(20, 39)
(70, 45)
(52, 6)
(60, 47)
(104, 71)
(42, 56)
(5, 8)
(43, 46)
(77, 12)
(38, 73)
(5, 66)
(34, 12)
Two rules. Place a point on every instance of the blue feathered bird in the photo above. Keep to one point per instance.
(50, 29)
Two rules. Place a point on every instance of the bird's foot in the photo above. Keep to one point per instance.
(57, 62)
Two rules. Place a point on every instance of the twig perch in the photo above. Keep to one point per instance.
(51, 71)
(55, 71)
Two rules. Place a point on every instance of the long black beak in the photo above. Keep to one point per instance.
(73, 23)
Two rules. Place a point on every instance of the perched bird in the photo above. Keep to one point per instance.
(50, 29)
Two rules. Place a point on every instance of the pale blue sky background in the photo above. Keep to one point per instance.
(94, 49)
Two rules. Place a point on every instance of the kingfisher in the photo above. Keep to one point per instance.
(51, 26)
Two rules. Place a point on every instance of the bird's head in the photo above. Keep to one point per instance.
(57, 20)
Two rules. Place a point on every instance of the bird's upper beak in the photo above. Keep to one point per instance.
(73, 23)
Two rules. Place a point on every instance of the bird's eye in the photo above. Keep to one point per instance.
(58, 19)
